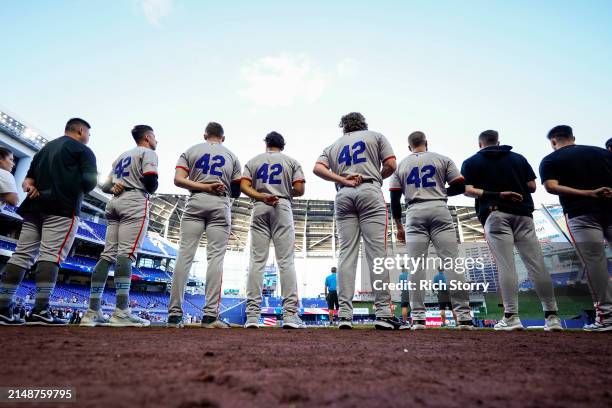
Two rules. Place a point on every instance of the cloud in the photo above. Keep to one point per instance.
(155, 10)
(279, 81)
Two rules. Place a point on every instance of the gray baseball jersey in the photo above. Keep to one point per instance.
(210, 163)
(131, 166)
(204, 213)
(273, 173)
(360, 153)
(423, 176)
(360, 212)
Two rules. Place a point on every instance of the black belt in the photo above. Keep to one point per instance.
(225, 194)
(368, 181)
(132, 189)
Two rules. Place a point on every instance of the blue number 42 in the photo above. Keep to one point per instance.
(269, 177)
(349, 158)
(119, 169)
(204, 164)
(423, 177)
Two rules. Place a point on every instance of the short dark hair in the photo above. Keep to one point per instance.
(489, 137)
(353, 122)
(333, 269)
(416, 139)
(275, 139)
(5, 152)
(74, 123)
(609, 143)
(214, 129)
(139, 132)
(560, 132)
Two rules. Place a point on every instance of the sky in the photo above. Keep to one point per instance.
(450, 69)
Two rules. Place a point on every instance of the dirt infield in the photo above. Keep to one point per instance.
(160, 367)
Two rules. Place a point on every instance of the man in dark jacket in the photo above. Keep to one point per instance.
(502, 182)
(582, 178)
(60, 174)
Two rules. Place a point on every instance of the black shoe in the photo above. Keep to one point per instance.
(466, 325)
(44, 318)
(8, 318)
(175, 321)
(387, 323)
(345, 324)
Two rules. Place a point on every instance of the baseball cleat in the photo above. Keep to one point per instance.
(405, 326)
(418, 325)
(8, 318)
(552, 323)
(509, 324)
(345, 324)
(467, 325)
(387, 323)
(125, 318)
(44, 318)
(293, 322)
(252, 322)
(93, 318)
(175, 321)
(598, 327)
(211, 322)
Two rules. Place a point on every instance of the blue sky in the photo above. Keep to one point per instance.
(450, 69)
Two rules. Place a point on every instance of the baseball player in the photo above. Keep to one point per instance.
(582, 178)
(132, 179)
(59, 175)
(357, 163)
(331, 294)
(502, 182)
(272, 179)
(422, 178)
(8, 189)
(444, 297)
(211, 173)
(404, 300)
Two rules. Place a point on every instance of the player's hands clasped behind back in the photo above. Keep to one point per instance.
(117, 189)
(269, 199)
(30, 188)
(216, 188)
(602, 192)
(511, 196)
(352, 180)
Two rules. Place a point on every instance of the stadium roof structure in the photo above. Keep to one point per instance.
(21, 132)
(315, 229)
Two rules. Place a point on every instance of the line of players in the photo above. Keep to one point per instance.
(500, 180)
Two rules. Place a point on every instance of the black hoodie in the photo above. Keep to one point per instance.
(497, 169)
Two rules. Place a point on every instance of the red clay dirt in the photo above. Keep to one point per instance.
(159, 367)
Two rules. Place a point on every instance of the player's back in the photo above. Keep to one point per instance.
(132, 165)
(209, 163)
(423, 176)
(360, 152)
(274, 173)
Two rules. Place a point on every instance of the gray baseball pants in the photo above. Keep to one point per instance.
(272, 224)
(589, 233)
(503, 231)
(361, 212)
(210, 214)
(426, 222)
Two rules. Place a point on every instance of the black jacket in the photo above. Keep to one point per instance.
(497, 169)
